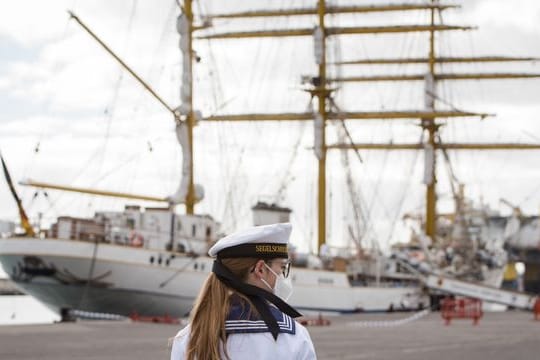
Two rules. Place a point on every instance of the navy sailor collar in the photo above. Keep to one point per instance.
(243, 319)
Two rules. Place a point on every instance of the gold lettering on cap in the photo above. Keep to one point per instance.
(271, 248)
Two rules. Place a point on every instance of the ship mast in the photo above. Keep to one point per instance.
(320, 122)
(188, 98)
(430, 125)
(320, 89)
(430, 157)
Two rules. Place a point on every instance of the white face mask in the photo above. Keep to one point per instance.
(283, 287)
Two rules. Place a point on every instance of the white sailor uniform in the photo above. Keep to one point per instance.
(248, 337)
(268, 332)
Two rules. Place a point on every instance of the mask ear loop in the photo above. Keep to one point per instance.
(273, 272)
(265, 282)
(267, 285)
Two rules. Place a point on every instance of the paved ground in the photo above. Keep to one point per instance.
(499, 336)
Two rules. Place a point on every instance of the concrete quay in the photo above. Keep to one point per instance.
(499, 336)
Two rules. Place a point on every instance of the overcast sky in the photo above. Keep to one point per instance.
(70, 115)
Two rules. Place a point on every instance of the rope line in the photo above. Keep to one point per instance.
(390, 323)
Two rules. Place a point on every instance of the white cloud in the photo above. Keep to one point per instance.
(30, 22)
(519, 14)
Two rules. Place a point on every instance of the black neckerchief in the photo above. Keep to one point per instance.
(257, 296)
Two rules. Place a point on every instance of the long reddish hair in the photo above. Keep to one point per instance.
(208, 336)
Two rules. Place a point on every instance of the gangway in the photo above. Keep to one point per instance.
(482, 292)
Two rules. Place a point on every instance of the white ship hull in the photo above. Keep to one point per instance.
(126, 280)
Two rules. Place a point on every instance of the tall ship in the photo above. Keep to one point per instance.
(151, 259)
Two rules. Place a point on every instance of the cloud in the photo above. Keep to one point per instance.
(30, 22)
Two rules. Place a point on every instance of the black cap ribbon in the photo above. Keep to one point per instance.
(257, 296)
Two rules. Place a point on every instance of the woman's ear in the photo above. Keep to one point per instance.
(259, 266)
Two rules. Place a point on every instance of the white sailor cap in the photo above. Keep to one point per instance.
(267, 241)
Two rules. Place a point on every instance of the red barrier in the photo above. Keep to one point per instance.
(318, 321)
(462, 308)
(537, 309)
(166, 319)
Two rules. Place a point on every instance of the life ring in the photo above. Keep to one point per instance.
(136, 239)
